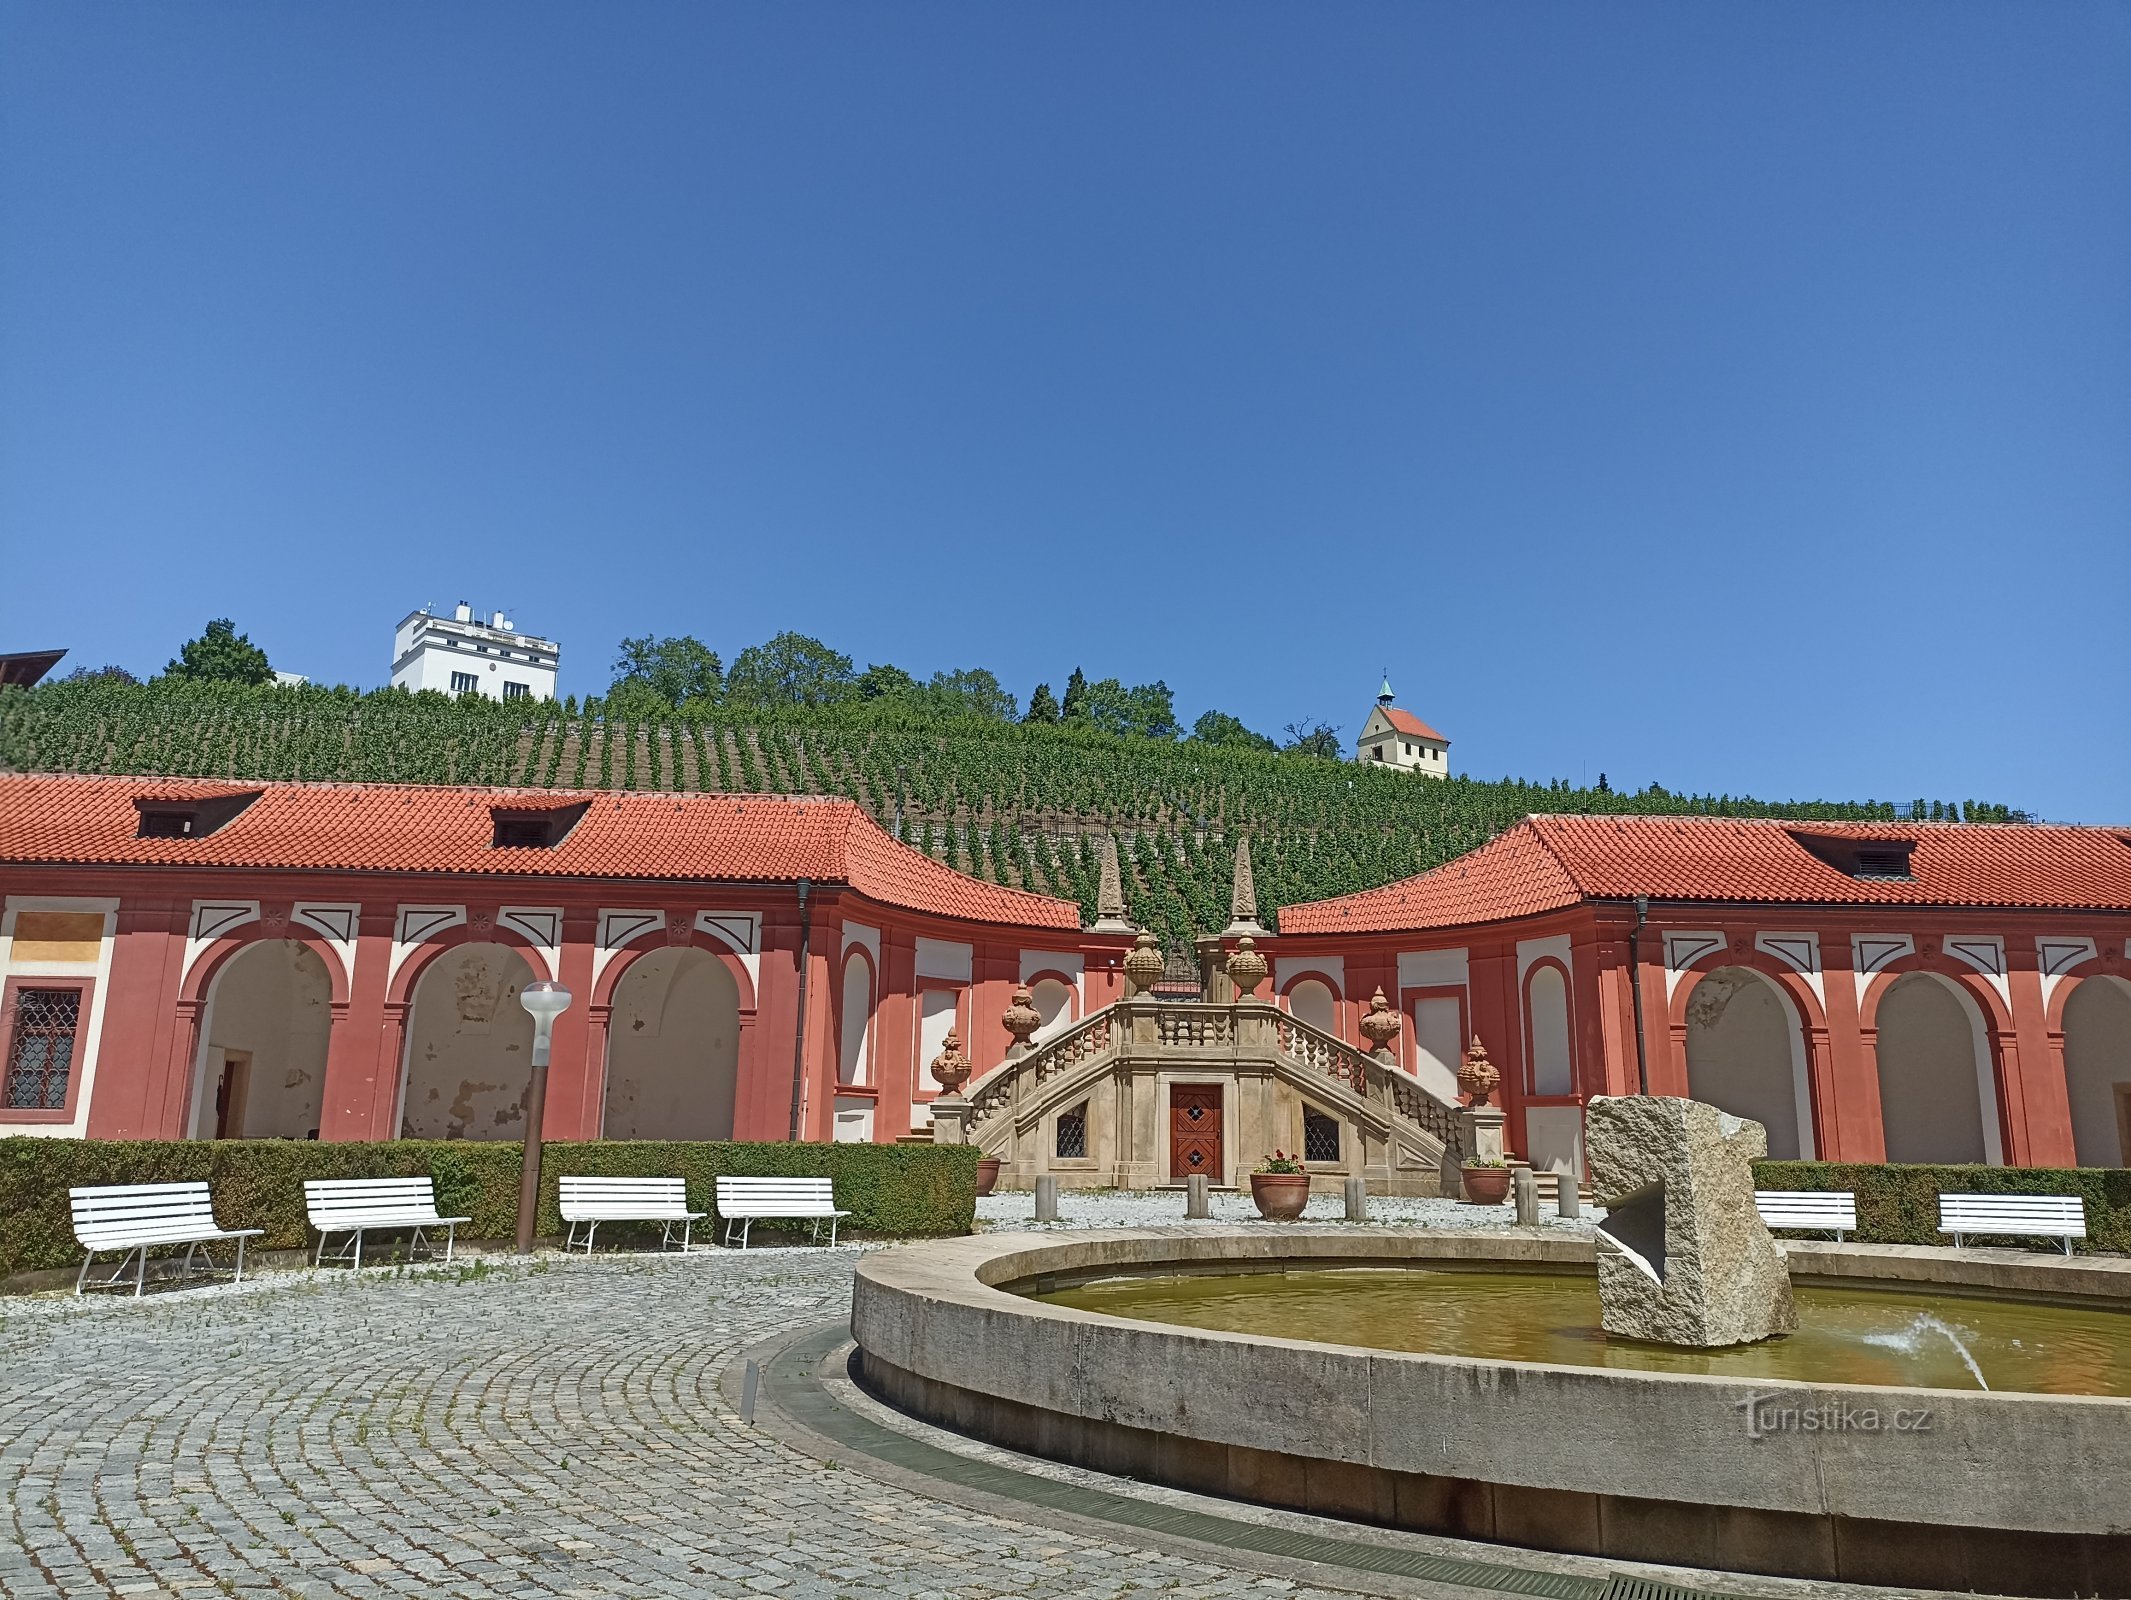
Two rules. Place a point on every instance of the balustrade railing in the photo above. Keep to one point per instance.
(1062, 1052)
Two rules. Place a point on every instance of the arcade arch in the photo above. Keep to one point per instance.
(2097, 1070)
(268, 1026)
(1938, 1101)
(673, 1047)
(1746, 1055)
(1546, 1005)
(469, 1051)
(1053, 1000)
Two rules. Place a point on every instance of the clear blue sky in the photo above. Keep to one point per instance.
(1733, 396)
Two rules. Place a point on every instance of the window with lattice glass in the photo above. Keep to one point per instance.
(40, 1050)
(1320, 1136)
(1073, 1133)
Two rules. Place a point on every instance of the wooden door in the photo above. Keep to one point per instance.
(1195, 1132)
(230, 1094)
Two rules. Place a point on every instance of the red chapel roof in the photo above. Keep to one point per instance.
(95, 821)
(1407, 723)
(1545, 863)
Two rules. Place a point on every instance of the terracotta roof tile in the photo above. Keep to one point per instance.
(1407, 723)
(411, 828)
(1547, 862)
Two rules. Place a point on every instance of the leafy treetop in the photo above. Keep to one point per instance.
(221, 655)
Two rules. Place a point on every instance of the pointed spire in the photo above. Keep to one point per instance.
(1243, 895)
(1110, 892)
(1384, 696)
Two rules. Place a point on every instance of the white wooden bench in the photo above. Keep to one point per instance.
(356, 1206)
(136, 1217)
(2062, 1217)
(744, 1201)
(1809, 1210)
(591, 1201)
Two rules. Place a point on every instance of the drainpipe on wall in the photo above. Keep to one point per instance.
(1635, 986)
(799, 1039)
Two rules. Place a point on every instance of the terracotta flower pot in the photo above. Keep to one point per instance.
(1280, 1196)
(1486, 1186)
(987, 1174)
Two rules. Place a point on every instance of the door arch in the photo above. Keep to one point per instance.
(2097, 1069)
(1746, 1055)
(673, 1048)
(1938, 1094)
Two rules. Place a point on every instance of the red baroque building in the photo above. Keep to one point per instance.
(1869, 992)
(185, 959)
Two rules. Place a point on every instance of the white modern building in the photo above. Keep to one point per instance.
(458, 655)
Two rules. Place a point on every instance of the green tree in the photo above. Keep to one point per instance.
(972, 692)
(221, 655)
(884, 682)
(1147, 710)
(105, 674)
(1043, 705)
(666, 673)
(789, 670)
(1218, 727)
(1076, 696)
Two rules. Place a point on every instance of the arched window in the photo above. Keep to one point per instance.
(1312, 1001)
(855, 1046)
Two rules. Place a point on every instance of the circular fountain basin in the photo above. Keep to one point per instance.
(1930, 1481)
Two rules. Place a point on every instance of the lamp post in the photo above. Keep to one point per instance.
(545, 1001)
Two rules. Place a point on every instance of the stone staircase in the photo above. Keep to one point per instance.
(1118, 1062)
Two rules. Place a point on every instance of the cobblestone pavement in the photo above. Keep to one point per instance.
(1160, 1208)
(480, 1431)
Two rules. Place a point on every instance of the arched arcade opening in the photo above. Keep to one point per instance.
(2097, 1070)
(469, 1054)
(673, 1048)
(1746, 1055)
(1938, 1098)
(266, 1031)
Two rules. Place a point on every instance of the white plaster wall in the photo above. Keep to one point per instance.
(855, 1034)
(1054, 1003)
(274, 1001)
(936, 1015)
(1437, 1047)
(673, 1048)
(1930, 1102)
(943, 958)
(469, 1047)
(1555, 1137)
(1433, 969)
(2097, 1068)
(1551, 1063)
(1310, 1001)
(1743, 1054)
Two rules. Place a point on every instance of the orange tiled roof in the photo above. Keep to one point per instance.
(1412, 726)
(420, 828)
(1549, 862)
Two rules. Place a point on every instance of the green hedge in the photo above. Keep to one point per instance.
(1900, 1204)
(891, 1190)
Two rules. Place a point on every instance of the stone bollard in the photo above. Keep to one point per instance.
(1567, 1202)
(1357, 1200)
(1198, 1204)
(1046, 1199)
(1527, 1187)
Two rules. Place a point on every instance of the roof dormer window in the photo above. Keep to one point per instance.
(534, 827)
(188, 817)
(1873, 860)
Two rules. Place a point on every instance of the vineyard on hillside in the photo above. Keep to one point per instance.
(1009, 802)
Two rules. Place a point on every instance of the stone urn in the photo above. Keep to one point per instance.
(987, 1174)
(1477, 1075)
(1145, 965)
(1246, 968)
(1380, 1025)
(1021, 1019)
(950, 1068)
(1486, 1186)
(1280, 1196)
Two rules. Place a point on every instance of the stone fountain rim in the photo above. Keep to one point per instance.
(989, 1265)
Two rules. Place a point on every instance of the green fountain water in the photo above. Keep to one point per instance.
(1845, 1335)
